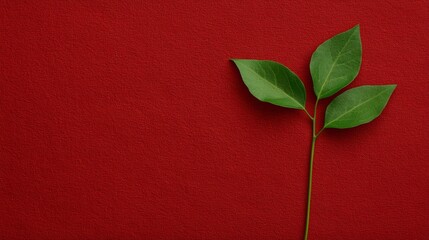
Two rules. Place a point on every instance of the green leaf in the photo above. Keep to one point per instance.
(336, 63)
(357, 106)
(272, 82)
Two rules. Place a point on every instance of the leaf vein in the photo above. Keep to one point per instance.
(353, 108)
(250, 69)
(333, 65)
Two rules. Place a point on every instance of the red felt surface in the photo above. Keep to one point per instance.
(125, 120)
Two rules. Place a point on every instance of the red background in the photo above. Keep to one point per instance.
(127, 121)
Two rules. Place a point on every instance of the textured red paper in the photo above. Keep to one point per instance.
(127, 121)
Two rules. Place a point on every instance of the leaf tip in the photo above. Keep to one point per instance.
(236, 60)
(392, 87)
(356, 28)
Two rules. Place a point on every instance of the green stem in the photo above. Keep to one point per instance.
(321, 130)
(310, 175)
(308, 114)
(307, 221)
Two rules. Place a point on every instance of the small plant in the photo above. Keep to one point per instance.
(333, 65)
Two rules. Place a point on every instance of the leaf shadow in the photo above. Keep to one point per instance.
(352, 136)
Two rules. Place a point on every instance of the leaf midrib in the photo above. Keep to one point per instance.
(299, 104)
(353, 108)
(335, 62)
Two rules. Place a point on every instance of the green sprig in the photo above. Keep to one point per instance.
(333, 66)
